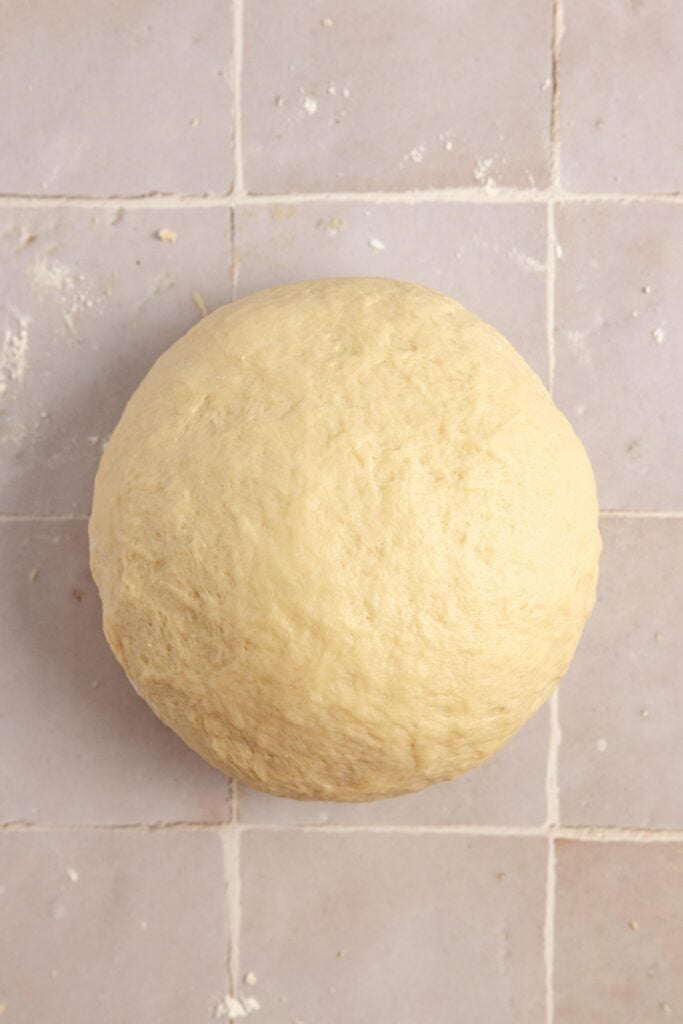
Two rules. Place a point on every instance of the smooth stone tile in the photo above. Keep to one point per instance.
(88, 299)
(78, 745)
(622, 706)
(389, 927)
(621, 128)
(116, 99)
(619, 922)
(111, 926)
(489, 257)
(343, 95)
(619, 362)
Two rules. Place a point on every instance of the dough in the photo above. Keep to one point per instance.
(345, 542)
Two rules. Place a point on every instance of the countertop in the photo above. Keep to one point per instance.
(160, 158)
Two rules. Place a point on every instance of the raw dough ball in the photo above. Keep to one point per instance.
(345, 542)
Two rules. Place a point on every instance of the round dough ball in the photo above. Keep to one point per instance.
(345, 542)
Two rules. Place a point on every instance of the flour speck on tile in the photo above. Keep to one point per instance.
(658, 335)
(481, 173)
(309, 104)
(376, 244)
(332, 225)
(53, 280)
(73, 874)
(14, 351)
(528, 263)
(231, 1008)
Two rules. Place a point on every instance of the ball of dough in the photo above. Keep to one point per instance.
(345, 542)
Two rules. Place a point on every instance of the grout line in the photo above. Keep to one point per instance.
(238, 197)
(231, 867)
(554, 734)
(579, 833)
(549, 933)
(234, 258)
(623, 514)
(552, 819)
(11, 518)
(552, 782)
(238, 50)
(558, 28)
(550, 272)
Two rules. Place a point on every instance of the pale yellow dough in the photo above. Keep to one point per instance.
(345, 542)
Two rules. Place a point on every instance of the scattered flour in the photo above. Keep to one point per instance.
(658, 335)
(333, 226)
(577, 344)
(326, 22)
(482, 175)
(200, 303)
(236, 1009)
(527, 262)
(52, 279)
(376, 244)
(310, 105)
(73, 874)
(602, 746)
(14, 351)
(166, 235)
(250, 978)
(417, 154)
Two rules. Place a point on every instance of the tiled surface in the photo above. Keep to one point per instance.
(440, 96)
(491, 257)
(622, 703)
(431, 907)
(89, 297)
(140, 905)
(116, 99)
(436, 912)
(620, 88)
(619, 933)
(77, 746)
(619, 357)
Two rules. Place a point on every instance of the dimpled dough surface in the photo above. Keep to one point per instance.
(345, 542)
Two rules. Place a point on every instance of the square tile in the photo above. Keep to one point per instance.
(400, 928)
(507, 790)
(343, 95)
(619, 933)
(620, 119)
(115, 926)
(489, 257)
(78, 745)
(619, 363)
(622, 706)
(88, 299)
(116, 99)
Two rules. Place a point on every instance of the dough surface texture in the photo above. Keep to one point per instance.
(345, 542)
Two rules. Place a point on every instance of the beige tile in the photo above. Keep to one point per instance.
(619, 933)
(507, 790)
(622, 706)
(116, 99)
(490, 257)
(387, 927)
(620, 84)
(346, 95)
(619, 358)
(111, 926)
(78, 745)
(88, 299)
